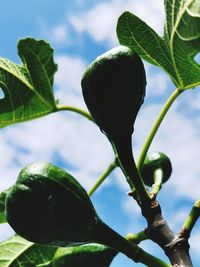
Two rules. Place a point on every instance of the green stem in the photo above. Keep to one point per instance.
(156, 125)
(123, 145)
(158, 179)
(151, 261)
(110, 168)
(191, 220)
(137, 237)
(107, 236)
(76, 110)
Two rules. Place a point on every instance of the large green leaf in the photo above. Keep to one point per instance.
(27, 88)
(18, 252)
(174, 52)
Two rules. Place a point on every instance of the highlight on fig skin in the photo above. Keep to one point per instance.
(113, 89)
(157, 166)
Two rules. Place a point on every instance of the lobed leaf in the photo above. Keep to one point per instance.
(28, 88)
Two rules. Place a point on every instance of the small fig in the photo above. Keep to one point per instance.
(156, 165)
(90, 255)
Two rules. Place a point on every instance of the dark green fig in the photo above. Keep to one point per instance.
(47, 205)
(114, 88)
(89, 255)
(157, 166)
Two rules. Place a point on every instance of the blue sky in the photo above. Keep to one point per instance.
(79, 31)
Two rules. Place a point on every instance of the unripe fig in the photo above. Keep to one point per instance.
(89, 255)
(47, 205)
(155, 162)
(113, 89)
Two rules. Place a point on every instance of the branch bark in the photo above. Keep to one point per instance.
(175, 247)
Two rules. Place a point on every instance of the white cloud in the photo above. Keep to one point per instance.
(69, 72)
(8, 168)
(100, 21)
(5, 231)
(77, 142)
(68, 80)
(176, 219)
(59, 34)
(194, 99)
(157, 81)
(80, 2)
(194, 242)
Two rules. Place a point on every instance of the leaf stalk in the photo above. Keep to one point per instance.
(102, 178)
(76, 110)
(156, 125)
(190, 221)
